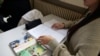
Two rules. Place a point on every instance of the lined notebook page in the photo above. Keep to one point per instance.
(45, 29)
(51, 22)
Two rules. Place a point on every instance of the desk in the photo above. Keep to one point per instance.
(16, 33)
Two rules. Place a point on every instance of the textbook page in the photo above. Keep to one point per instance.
(51, 22)
(45, 29)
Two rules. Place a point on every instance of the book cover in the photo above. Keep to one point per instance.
(27, 46)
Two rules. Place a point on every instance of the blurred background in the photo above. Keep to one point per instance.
(15, 8)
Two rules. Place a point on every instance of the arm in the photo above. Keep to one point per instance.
(91, 47)
(69, 24)
(58, 49)
(85, 50)
(65, 25)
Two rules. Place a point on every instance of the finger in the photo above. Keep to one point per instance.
(53, 26)
(40, 37)
(40, 42)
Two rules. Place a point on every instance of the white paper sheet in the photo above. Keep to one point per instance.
(45, 29)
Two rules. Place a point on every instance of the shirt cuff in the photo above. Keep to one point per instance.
(53, 44)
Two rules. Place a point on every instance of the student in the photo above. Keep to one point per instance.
(83, 37)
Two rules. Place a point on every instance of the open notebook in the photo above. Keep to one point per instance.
(45, 29)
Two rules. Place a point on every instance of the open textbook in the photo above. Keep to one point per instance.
(28, 46)
(45, 29)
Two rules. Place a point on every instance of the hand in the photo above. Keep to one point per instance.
(58, 25)
(44, 39)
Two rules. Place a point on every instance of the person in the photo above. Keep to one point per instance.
(15, 8)
(83, 36)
